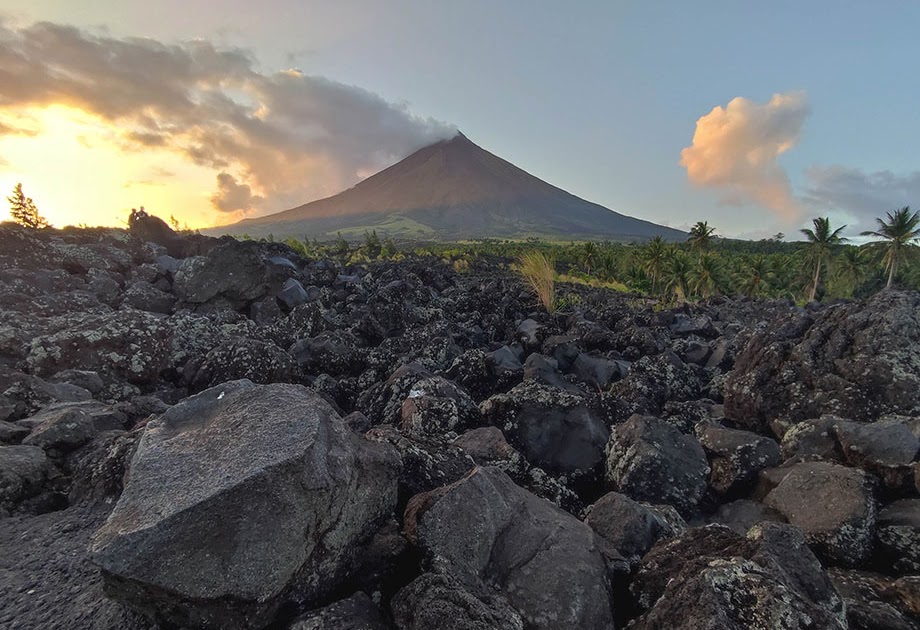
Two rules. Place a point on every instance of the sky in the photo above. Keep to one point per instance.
(755, 117)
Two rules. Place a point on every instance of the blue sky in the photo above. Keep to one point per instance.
(600, 98)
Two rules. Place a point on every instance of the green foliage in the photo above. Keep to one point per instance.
(821, 243)
(899, 239)
(701, 236)
(372, 245)
(23, 210)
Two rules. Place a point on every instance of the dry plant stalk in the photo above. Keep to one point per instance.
(539, 271)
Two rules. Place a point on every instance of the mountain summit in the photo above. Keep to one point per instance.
(454, 189)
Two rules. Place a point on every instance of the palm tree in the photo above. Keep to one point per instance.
(756, 275)
(850, 267)
(678, 272)
(701, 236)
(706, 276)
(901, 233)
(821, 242)
(589, 255)
(655, 259)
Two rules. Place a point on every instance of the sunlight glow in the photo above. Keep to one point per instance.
(76, 170)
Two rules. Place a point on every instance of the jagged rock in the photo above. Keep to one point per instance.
(12, 433)
(24, 471)
(843, 529)
(382, 402)
(129, 344)
(852, 360)
(437, 407)
(65, 427)
(713, 578)
(292, 294)
(145, 297)
(484, 529)
(216, 526)
(332, 352)
(649, 460)
(630, 527)
(553, 429)
(735, 457)
(655, 380)
(25, 394)
(153, 229)
(434, 600)
(898, 536)
(812, 438)
(488, 447)
(234, 271)
(258, 361)
(426, 464)
(598, 372)
(886, 448)
(545, 370)
(84, 379)
(98, 469)
(529, 333)
(743, 514)
(357, 612)
(875, 602)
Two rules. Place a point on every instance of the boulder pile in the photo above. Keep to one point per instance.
(211, 433)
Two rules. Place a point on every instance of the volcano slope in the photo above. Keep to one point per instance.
(206, 433)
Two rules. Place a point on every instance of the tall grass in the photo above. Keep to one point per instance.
(539, 272)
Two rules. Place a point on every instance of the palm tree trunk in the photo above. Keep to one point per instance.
(891, 272)
(814, 285)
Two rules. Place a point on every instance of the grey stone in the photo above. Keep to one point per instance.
(357, 612)
(549, 566)
(898, 536)
(239, 499)
(628, 526)
(438, 601)
(834, 506)
(649, 460)
(735, 457)
(24, 470)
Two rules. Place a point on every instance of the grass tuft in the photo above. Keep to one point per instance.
(539, 272)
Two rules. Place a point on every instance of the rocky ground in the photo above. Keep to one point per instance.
(205, 433)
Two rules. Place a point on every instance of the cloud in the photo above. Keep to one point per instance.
(288, 136)
(232, 196)
(862, 196)
(735, 149)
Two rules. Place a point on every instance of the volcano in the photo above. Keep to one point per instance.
(453, 190)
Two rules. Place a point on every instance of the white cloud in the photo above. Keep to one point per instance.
(735, 150)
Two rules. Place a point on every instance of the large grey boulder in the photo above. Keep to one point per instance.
(553, 429)
(834, 506)
(630, 527)
(855, 360)
(649, 460)
(486, 532)
(235, 271)
(239, 499)
(129, 344)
